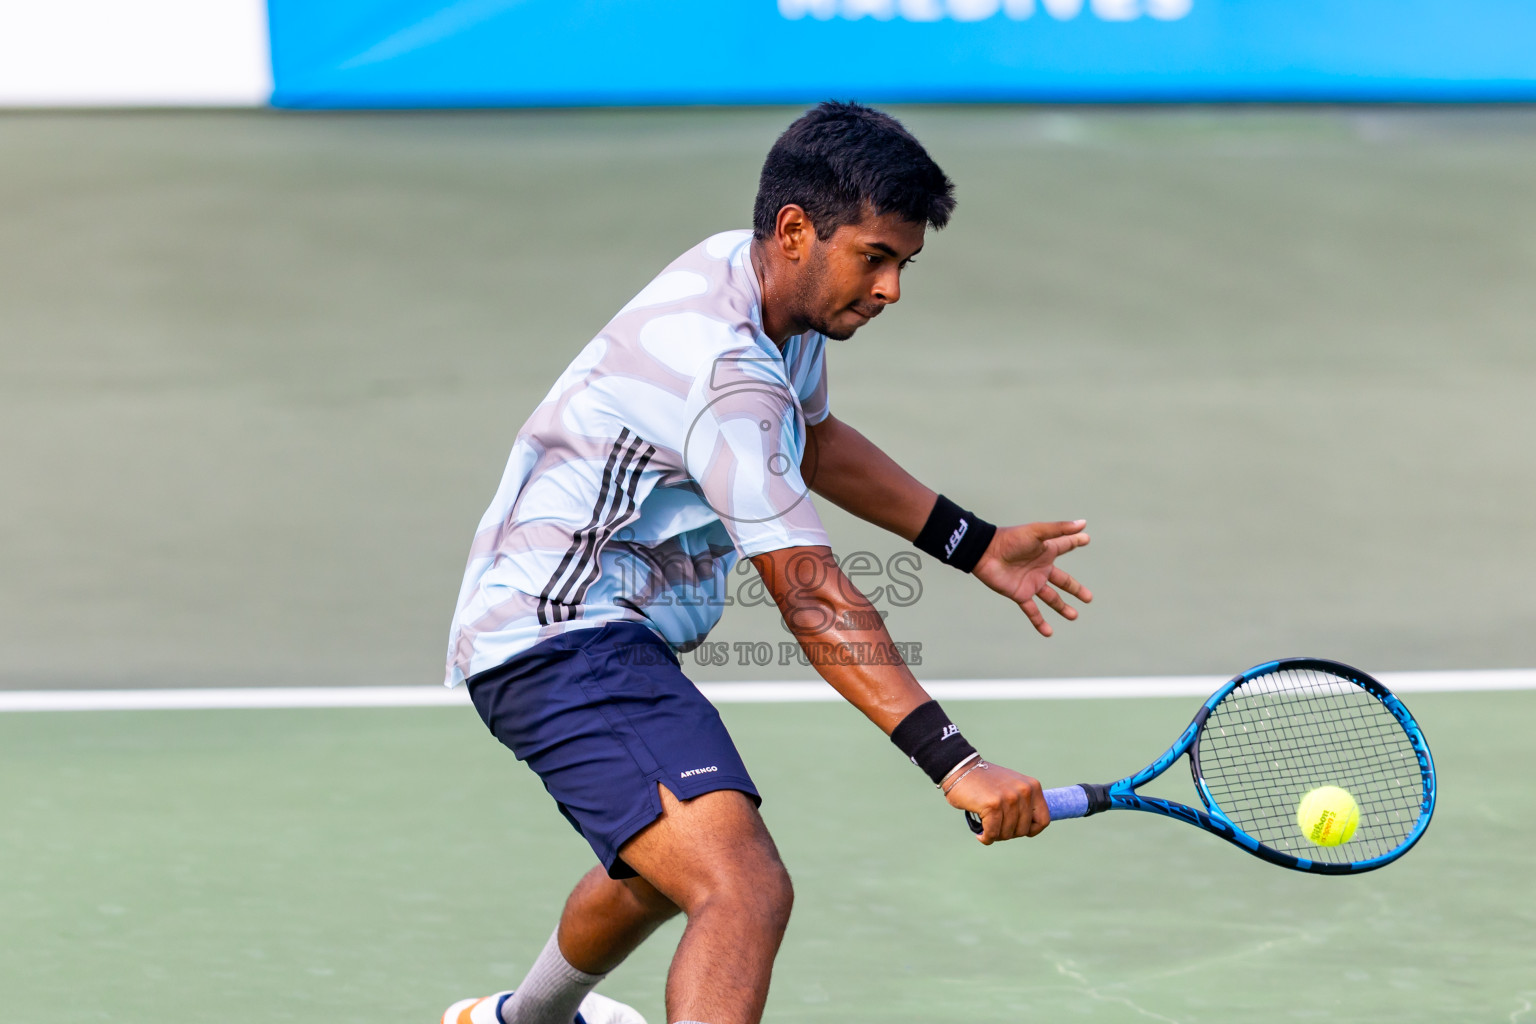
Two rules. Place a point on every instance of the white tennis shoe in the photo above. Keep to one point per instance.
(599, 1009)
(595, 1009)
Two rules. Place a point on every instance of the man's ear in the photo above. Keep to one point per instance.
(793, 233)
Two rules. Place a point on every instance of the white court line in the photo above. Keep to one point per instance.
(720, 693)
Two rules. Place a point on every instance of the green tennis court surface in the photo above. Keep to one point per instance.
(371, 866)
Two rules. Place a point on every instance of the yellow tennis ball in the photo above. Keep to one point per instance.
(1328, 816)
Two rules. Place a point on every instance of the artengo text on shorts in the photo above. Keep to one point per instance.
(981, 10)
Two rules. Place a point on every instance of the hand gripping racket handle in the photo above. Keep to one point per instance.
(1064, 802)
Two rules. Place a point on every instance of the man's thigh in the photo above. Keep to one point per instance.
(603, 716)
(700, 847)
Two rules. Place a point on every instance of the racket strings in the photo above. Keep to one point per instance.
(1276, 738)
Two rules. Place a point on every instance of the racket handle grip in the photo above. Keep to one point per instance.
(1063, 802)
(1067, 802)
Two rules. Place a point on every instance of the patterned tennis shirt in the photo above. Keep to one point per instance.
(669, 448)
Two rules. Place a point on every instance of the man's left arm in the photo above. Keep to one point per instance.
(849, 470)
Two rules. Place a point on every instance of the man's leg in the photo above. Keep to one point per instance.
(600, 726)
(713, 858)
(604, 921)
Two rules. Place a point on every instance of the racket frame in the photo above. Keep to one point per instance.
(1122, 795)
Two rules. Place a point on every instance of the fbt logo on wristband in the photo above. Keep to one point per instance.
(955, 539)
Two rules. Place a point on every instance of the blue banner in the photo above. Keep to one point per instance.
(427, 53)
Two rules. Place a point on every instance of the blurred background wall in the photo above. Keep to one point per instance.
(363, 53)
(62, 53)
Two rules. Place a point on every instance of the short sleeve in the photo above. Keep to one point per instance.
(743, 451)
(811, 380)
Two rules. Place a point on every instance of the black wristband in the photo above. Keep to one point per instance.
(954, 536)
(931, 740)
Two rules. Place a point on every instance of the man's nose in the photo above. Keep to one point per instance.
(888, 286)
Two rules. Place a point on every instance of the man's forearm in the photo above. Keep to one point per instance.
(821, 606)
(852, 472)
(828, 615)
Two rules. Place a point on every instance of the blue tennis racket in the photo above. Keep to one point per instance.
(1269, 737)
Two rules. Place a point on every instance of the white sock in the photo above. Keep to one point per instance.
(552, 991)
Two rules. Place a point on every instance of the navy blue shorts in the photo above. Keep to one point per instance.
(603, 715)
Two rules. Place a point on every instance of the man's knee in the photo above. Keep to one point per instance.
(757, 886)
(781, 895)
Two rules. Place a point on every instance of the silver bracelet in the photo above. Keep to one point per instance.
(979, 764)
(947, 775)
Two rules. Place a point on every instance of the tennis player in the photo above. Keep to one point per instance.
(686, 435)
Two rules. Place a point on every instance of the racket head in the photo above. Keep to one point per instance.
(1281, 729)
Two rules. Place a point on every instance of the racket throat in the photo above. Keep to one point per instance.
(1098, 798)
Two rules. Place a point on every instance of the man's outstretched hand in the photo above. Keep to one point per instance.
(1020, 564)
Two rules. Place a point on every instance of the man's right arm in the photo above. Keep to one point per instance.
(844, 637)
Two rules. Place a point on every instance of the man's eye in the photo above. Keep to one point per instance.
(872, 258)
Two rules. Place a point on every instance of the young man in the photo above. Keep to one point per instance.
(684, 436)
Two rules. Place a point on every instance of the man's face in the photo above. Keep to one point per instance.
(849, 277)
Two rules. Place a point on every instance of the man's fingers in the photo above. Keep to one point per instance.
(991, 827)
(1013, 805)
(1040, 811)
(1045, 531)
(1055, 547)
(1036, 618)
(1027, 813)
(1009, 820)
(1057, 602)
(1060, 578)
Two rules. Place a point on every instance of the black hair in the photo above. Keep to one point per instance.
(840, 158)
